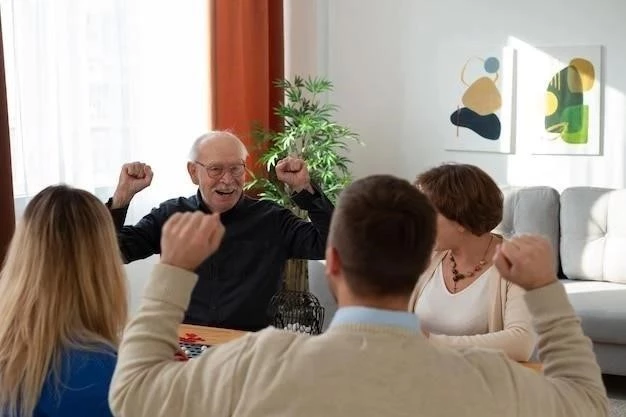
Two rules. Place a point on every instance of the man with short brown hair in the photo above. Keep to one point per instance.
(380, 230)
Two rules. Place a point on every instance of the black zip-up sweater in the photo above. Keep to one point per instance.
(236, 283)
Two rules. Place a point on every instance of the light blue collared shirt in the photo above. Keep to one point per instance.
(374, 316)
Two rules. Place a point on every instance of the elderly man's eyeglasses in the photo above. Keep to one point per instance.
(217, 171)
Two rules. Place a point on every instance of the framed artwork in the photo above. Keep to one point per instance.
(563, 105)
(480, 118)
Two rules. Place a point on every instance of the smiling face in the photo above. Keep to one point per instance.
(219, 171)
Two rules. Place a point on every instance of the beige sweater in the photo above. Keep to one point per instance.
(509, 322)
(351, 370)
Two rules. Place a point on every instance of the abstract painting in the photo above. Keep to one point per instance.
(569, 81)
(481, 120)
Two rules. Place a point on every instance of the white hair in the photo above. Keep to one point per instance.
(195, 147)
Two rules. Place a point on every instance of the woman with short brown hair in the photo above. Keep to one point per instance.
(461, 300)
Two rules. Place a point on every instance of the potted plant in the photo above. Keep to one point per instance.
(309, 132)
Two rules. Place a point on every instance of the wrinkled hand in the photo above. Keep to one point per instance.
(294, 172)
(527, 261)
(134, 177)
(187, 239)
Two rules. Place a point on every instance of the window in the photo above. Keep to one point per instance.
(94, 84)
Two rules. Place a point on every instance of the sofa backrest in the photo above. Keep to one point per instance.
(531, 210)
(593, 234)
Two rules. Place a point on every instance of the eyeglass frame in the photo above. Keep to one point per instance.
(223, 170)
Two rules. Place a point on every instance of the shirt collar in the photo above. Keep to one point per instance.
(367, 315)
(202, 205)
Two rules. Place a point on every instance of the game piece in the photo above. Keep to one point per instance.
(192, 350)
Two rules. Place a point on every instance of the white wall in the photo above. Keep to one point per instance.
(138, 273)
(386, 59)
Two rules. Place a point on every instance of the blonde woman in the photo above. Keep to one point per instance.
(461, 299)
(63, 305)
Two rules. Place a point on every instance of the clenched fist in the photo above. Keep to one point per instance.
(527, 261)
(134, 177)
(294, 172)
(187, 239)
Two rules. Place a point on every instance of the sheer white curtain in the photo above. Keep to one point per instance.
(96, 83)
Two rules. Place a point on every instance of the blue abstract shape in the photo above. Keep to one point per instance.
(492, 65)
(486, 126)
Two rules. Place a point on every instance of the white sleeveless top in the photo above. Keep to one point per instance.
(465, 313)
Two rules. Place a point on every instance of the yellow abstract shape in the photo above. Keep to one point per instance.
(482, 97)
(552, 103)
(574, 80)
(582, 76)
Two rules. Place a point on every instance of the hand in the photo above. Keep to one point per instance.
(527, 261)
(180, 356)
(134, 177)
(187, 239)
(294, 172)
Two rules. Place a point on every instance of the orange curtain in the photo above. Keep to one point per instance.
(247, 57)
(7, 213)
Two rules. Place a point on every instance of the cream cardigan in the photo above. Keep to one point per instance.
(510, 327)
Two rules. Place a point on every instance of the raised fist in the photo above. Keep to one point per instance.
(134, 177)
(294, 172)
(187, 239)
(527, 261)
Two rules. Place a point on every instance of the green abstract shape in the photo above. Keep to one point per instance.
(571, 117)
(577, 128)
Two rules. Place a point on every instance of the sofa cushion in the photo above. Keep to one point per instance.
(601, 308)
(593, 234)
(318, 286)
(531, 210)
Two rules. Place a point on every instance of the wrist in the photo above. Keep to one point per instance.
(120, 199)
(540, 284)
(177, 263)
(301, 187)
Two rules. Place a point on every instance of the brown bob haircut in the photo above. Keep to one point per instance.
(384, 231)
(464, 193)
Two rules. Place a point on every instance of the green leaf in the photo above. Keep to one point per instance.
(309, 131)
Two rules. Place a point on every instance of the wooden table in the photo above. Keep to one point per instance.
(216, 336)
(211, 335)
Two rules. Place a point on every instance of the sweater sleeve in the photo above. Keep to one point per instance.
(571, 383)
(516, 339)
(148, 381)
(143, 239)
(304, 239)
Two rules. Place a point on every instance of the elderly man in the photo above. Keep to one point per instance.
(236, 283)
(373, 360)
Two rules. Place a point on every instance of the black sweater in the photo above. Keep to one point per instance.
(236, 283)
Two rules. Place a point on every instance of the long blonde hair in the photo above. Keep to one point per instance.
(62, 286)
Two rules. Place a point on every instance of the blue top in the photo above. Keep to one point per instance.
(367, 315)
(84, 388)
